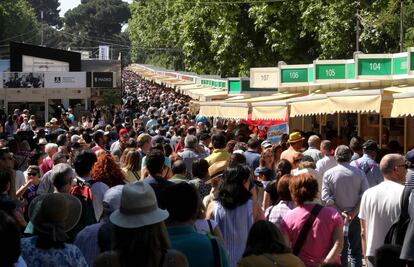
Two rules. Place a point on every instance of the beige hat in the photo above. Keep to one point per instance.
(216, 170)
(138, 207)
(42, 141)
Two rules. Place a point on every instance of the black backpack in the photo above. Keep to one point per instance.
(396, 234)
(391, 250)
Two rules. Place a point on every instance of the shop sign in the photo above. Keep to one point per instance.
(400, 64)
(330, 71)
(264, 78)
(103, 79)
(65, 79)
(294, 75)
(374, 65)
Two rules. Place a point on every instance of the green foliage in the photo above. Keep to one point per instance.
(50, 10)
(96, 21)
(17, 22)
(228, 39)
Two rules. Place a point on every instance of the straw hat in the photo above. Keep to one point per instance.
(295, 137)
(42, 141)
(216, 170)
(55, 214)
(138, 207)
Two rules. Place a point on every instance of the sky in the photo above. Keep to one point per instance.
(65, 5)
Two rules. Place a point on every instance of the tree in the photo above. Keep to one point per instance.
(17, 22)
(96, 22)
(225, 38)
(50, 10)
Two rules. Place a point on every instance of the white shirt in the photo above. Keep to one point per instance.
(202, 227)
(20, 180)
(325, 164)
(380, 208)
(314, 173)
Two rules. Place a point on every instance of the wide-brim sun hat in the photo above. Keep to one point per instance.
(216, 170)
(60, 209)
(295, 137)
(138, 207)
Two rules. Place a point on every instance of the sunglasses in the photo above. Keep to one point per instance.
(31, 173)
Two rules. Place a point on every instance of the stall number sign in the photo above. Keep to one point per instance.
(374, 66)
(400, 65)
(263, 78)
(411, 61)
(330, 71)
(294, 75)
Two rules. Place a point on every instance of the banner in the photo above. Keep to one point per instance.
(23, 80)
(4, 65)
(65, 79)
(275, 132)
(34, 64)
(103, 52)
(103, 79)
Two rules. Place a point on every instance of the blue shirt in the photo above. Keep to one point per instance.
(252, 159)
(344, 184)
(195, 246)
(370, 168)
(68, 256)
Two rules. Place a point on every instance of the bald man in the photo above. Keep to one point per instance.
(380, 205)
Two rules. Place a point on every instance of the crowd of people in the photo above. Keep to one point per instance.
(149, 184)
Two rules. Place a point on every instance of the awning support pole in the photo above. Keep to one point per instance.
(405, 134)
(339, 125)
(359, 124)
(380, 130)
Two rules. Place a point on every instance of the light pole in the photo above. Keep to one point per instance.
(401, 25)
(357, 31)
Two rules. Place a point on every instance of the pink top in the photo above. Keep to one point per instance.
(46, 165)
(319, 240)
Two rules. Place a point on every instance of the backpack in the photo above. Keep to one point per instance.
(394, 239)
(396, 234)
(82, 191)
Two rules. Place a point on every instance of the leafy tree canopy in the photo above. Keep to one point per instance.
(50, 10)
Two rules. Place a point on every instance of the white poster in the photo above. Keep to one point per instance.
(36, 64)
(264, 77)
(65, 80)
(103, 52)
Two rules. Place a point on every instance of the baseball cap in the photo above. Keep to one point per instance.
(410, 156)
(370, 145)
(123, 131)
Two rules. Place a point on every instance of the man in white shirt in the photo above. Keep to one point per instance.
(328, 161)
(380, 205)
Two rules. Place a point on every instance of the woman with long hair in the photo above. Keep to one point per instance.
(105, 173)
(265, 247)
(131, 166)
(140, 235)
(271, 196)
(234, 211)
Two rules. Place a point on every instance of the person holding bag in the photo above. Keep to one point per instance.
(315, 232)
